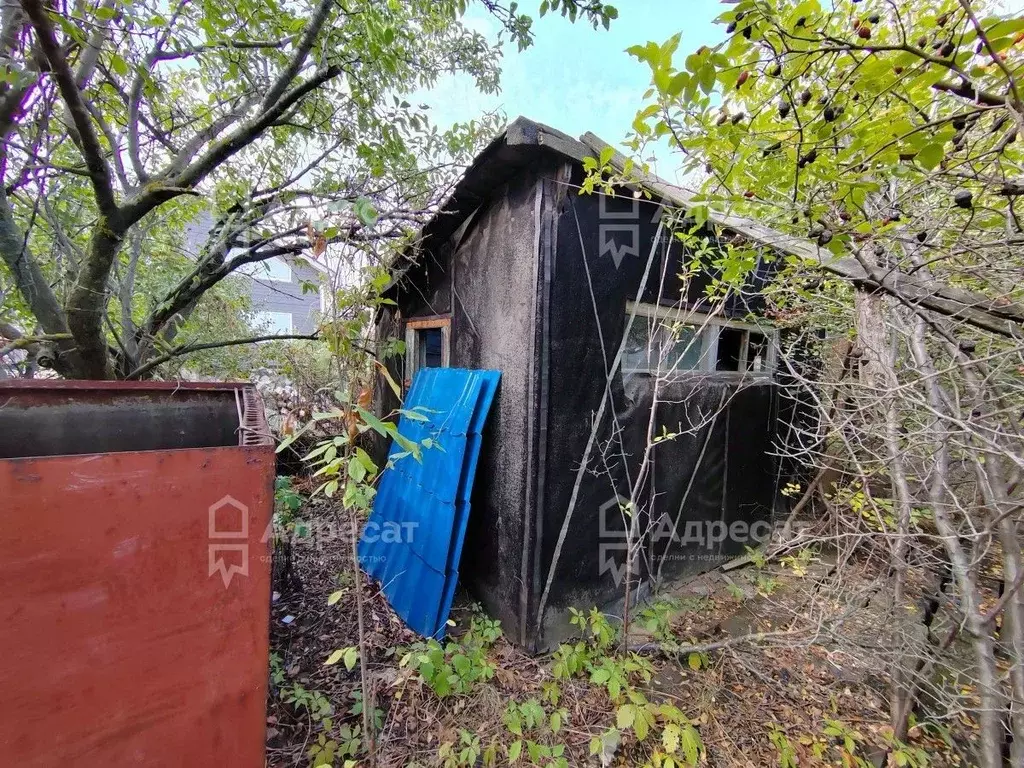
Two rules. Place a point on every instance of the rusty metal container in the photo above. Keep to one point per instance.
(134, 573)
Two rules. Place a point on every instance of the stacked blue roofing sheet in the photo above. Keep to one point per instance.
(413, 540)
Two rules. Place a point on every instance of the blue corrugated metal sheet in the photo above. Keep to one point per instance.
(413, 541)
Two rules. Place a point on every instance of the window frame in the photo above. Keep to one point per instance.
(709, 328)
(269, 270)
(265, 317)
(444, 322)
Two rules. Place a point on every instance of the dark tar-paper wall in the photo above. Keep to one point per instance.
(534, 290)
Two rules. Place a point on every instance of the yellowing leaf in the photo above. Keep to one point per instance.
(670, 737)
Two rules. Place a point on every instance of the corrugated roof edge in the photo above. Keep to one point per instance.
(497, 163)
(944, 298)
(523, 132)
(500, 160)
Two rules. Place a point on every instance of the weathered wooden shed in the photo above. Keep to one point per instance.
(578, 301)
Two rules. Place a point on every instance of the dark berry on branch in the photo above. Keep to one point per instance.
(963, 198)
(807, 159)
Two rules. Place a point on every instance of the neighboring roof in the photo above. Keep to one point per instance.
(519, 145)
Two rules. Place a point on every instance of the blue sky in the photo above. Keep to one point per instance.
(575, 78)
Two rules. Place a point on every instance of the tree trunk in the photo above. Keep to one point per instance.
(88, 302)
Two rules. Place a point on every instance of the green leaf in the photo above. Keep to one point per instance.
(373, 422)
(364, 458)
(119, 65)
(707, 77)
(677, 84)
(515, 749)
(412, 414)
(626, 716)
(691, 744)
(335, 657)
(351, 657)
(356, 470)
(643, 722)
(931, 155)
(335, 597)
(386, 373)
(1005, 28)
(365, 211)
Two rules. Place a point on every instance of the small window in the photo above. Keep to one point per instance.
(278, 270)
(429, 348)
(273, 322)
(426, 345)
(743, 349)
(656, 345)
(667, 340)
(274, 269)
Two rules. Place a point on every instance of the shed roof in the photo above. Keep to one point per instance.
(519, 144)
(524, 140)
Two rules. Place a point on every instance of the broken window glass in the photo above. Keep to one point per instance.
(730, 349)
(757, 352)
(657, 342)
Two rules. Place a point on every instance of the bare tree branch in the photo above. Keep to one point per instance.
(185, 349)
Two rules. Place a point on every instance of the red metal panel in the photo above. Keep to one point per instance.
(118, 644)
